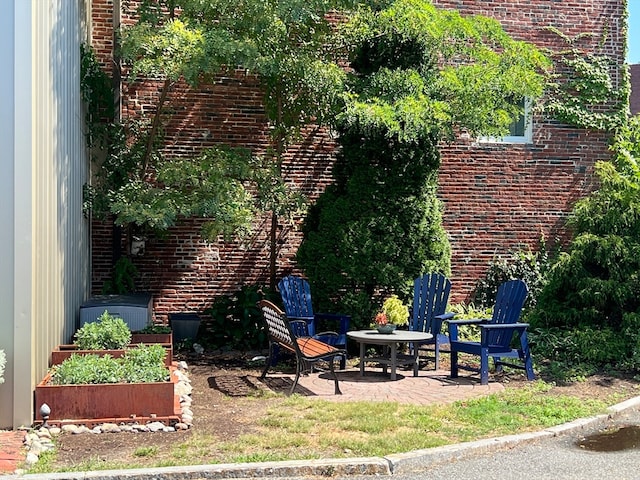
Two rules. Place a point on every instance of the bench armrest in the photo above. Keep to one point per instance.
(505, 326)
(472, 321)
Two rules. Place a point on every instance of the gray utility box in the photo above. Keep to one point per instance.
(135, 309)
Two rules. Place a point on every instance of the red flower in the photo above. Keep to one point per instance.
(381, 318)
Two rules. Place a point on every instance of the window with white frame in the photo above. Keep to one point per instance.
(520, 130)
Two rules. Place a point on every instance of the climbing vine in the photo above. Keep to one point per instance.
(584, 92)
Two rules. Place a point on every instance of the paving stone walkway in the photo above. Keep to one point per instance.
(428, 387)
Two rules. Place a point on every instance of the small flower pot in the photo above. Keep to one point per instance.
(388, 328)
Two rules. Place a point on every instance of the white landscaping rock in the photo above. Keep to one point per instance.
(70, 428)
(182, 388)
(155, 426)
(110, 428)
(31, 459)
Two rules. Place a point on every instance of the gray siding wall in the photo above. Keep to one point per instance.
(45, 236)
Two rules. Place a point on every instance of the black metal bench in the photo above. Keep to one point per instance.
(307, 350)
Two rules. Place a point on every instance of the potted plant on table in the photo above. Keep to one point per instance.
(394, 313)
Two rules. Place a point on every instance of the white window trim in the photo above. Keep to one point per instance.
(528, 130)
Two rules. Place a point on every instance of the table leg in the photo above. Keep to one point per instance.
(394, 359)
(385, 354)
(416, 364)
(362, 359)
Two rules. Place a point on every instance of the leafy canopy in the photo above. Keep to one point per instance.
(443, 72)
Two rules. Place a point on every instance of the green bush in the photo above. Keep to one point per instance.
(589, 310)
(122, 278)
(141, 364)
(236, 320)
(468, 312)
(379, 226)
(107, 333)
(524, 265)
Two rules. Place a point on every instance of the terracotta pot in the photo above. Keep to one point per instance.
(108, 401)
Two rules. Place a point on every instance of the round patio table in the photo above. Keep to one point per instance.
(390, 342)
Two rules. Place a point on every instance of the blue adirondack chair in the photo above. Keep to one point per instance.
(430, 297)
(296, 298)
(496, 334)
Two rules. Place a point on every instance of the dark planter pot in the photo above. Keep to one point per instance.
(62, 352)
(108, 402)
(184, 326)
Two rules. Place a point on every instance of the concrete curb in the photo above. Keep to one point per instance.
(325, 468)
(410, 461)
(391, 464)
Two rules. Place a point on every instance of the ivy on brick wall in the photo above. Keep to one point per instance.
(585, 93)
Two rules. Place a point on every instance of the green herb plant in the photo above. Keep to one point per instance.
(107, 333)
(142, 364)
(156, 328)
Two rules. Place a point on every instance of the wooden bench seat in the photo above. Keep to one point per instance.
(307, 350)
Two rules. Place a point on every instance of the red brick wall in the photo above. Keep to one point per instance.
(501, 197)
(496, 197)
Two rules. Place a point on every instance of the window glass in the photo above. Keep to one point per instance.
(520, 131)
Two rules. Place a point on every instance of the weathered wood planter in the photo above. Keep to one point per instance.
(113, 401)
(62, 352)
(137, 338)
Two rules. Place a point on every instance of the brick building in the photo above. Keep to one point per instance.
(498, 196)
(634, 100)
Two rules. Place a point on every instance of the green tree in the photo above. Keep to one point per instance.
(134, 182)
(592, 299)
(284, 43)
(419, 74)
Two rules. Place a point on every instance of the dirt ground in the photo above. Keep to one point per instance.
(223, 406)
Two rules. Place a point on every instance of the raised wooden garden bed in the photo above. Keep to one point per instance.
(113, 401)
(62, 352)
(137, 338)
